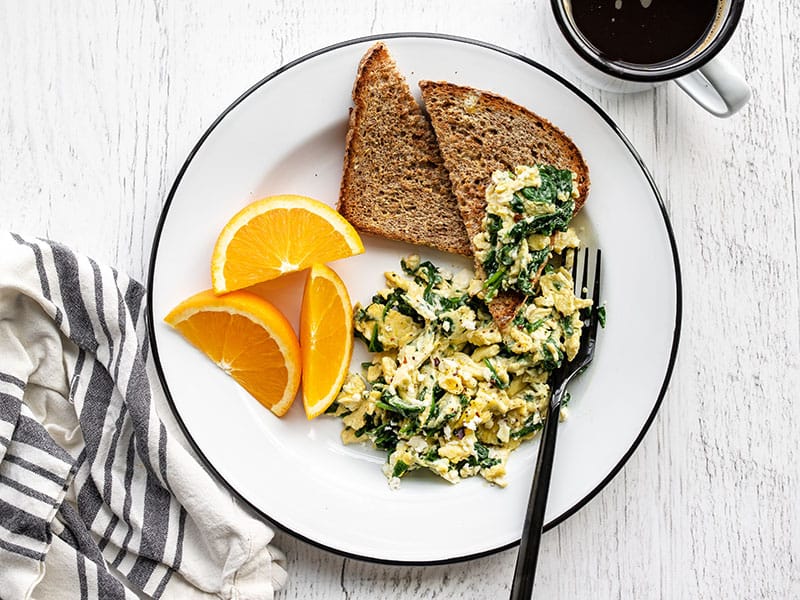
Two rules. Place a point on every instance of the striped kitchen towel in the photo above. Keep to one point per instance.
(98, 496)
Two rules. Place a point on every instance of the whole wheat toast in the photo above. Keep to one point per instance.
(394, 183)
(480, 132)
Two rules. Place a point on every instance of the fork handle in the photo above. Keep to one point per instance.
(525, 570)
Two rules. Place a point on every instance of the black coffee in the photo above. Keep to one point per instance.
(644, 32)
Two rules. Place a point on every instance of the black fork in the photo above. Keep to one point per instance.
(525, 570)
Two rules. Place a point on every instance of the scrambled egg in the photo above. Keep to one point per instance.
(527, 213)
(446, 390)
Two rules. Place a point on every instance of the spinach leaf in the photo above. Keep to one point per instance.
(543, 224)
(428, 274)
(566, 325)
(431, 423)
(527, 429)
(493, 225)
(524, 281)
(397, 300)
(400, 468)
(393, 403)
(481, 457)
(530, 326)
(495, 377)
(454, 302)
(507, 254)
(493, 283)
(375, 344)
(431, 455)
(538, 257)
(550, 362)
(410, 428)
(384, 437)
(490, 262)
(558, 179)
(518, 202)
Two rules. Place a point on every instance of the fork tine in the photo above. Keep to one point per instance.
(585, 277)
(594, 316)
(596, 290)
(575, 269)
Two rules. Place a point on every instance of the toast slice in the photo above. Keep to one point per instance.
(394, 183)
(480, 132)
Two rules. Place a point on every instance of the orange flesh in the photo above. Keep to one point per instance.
(325, 338)
(246, 337)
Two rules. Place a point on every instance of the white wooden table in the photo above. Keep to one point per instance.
(101, 101)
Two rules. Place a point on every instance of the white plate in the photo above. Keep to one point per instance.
(286, 135)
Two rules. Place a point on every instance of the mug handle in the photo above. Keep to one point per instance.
(716, 86)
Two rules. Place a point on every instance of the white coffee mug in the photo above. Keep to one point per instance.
(708, 79)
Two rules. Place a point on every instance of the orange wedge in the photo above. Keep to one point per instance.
(326, 338)
(278, 235)
(249, 339)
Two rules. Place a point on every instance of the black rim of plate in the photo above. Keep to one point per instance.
(613, 126)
